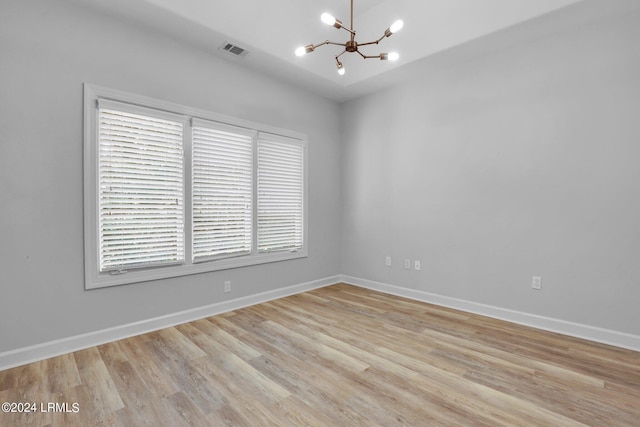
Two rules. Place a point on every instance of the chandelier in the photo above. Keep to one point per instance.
(352, 45)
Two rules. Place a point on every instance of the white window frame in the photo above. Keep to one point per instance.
(93, 277)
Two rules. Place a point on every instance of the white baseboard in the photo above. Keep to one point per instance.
(591, 333)
(35, 353)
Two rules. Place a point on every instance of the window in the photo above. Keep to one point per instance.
(222, 185)
(171, 190)
(140, 188)
(280, 194)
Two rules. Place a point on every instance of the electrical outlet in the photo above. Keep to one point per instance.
(388, 261)
(407, 264)
(536, 282)
(227, 285)
(416, 265)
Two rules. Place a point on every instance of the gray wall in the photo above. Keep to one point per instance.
(47, 50)
(522, 162)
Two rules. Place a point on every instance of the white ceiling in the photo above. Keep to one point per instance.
(271, 30)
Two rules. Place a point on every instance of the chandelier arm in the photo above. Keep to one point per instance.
(370, 56)
(353, 33)
(373, 42)
(340, 54)
(321, 44)
(314, 46)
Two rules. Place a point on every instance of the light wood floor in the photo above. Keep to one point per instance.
(337, 356)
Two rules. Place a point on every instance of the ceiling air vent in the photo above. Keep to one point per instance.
(234, 50)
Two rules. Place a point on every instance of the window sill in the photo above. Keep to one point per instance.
(103, 280)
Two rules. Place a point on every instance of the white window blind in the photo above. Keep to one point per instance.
(280, 193)
(140, 188)
(171, 190)
(222, 188)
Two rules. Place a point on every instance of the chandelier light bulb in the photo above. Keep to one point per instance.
(302, 50)
(396, 26)
(328, 19)
(341, 69)
(393, 56)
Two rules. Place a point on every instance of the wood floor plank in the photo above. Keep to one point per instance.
(62, 373)
(335, 356)
(150, 368)
(226, 340)
(97, 384)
